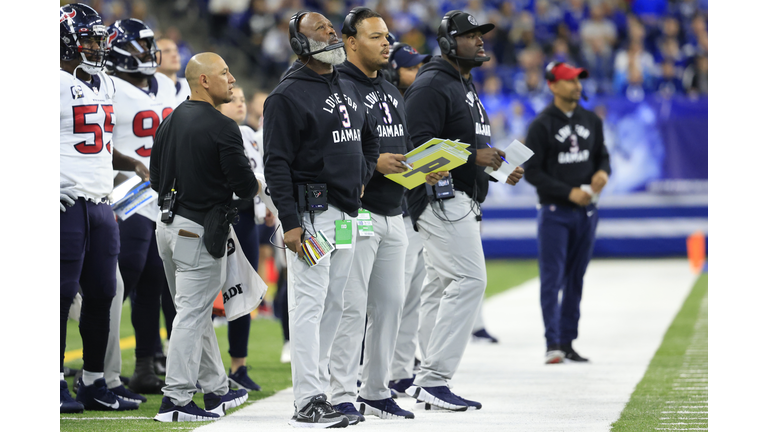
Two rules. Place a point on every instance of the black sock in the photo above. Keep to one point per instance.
(64, 304)
(94, 329)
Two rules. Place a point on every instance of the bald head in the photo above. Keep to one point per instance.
(201, 64)
(209, 78)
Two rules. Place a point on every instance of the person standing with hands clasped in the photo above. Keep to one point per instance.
(443, 103)
(321, 147)
(197, 164)
(569, 168)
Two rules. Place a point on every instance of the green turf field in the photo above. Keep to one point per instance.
(673, 394)
(264, 347)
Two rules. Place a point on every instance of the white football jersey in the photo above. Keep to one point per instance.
(253, 143)
(87, 121)
(139, 112)
(182, 90)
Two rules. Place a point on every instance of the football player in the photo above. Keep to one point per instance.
(89, 241)
(143, 98)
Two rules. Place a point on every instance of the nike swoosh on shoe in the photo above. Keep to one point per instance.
(115, 405)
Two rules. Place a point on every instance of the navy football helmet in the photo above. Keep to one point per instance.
(132, 48)
(83, 35)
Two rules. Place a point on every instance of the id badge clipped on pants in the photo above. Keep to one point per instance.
(344, 234)
(364, 223)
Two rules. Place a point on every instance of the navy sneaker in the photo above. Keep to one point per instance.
(353, 415)
(483, 336)
(319, 413)
(384, 409)
(241, 380)
(439, 396)
(471, 404)
(67, 405)
(400, 386)
(189, 412)
(97, 397)
(127, 395)
(220, 404)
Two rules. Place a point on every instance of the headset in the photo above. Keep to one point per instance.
(548, 74)
(347, 28)
(299, 42)
(445, 40)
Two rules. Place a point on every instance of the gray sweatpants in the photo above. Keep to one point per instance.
(456, 275)
(405, 346)
(374, 289)
(113, 361)
(195, 279)
(315, 303)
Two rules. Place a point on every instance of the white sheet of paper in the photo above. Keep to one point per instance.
(516, 153)
(588, 189)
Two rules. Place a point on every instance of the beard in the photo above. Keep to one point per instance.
(333, 58)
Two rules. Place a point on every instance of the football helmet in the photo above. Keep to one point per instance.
(83, 35)
(132, 47)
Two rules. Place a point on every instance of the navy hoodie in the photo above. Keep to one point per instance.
(439, 104)
(317, 130)
(383, 100)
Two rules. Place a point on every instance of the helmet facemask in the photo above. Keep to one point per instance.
(92, 46)
(137, 56)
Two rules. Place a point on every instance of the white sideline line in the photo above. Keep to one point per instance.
(626, 309)
(104, 418)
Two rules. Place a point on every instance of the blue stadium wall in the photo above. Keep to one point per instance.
(656, 197)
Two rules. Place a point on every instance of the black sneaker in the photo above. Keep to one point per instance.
(572, 355)
(98, 397)
(127, 395)
(384, 409)
(220, 404)
(483, 336)
(67, 405)
(399, 387)
(241, 380)
(319, 413)
(190, 412)
(349, 410)
(440, 396)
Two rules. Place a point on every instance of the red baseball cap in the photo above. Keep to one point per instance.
(564, 71)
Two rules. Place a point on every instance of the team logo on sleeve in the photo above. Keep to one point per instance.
(77, 92)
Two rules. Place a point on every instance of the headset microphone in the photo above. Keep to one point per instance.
(475, 59)
(328, 48)
(584, 96)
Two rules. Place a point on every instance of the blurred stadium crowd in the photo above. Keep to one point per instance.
(633, 49)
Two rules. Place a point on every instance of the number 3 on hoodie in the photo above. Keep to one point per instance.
(346, 123)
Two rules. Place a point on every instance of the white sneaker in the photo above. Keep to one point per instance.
(285, 356)
(554, 357)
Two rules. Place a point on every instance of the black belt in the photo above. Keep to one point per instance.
(194, 216)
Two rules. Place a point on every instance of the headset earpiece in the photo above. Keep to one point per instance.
(299, 42)
(347, 28)
(548, 74)
(445, 40)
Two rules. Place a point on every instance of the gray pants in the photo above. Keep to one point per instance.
(373, 290)
(113, 361)
(456, 276)
(194, 278)
(405, 347)
(315, 304)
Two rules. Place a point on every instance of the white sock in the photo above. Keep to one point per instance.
(90, 377)
(61, 376)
